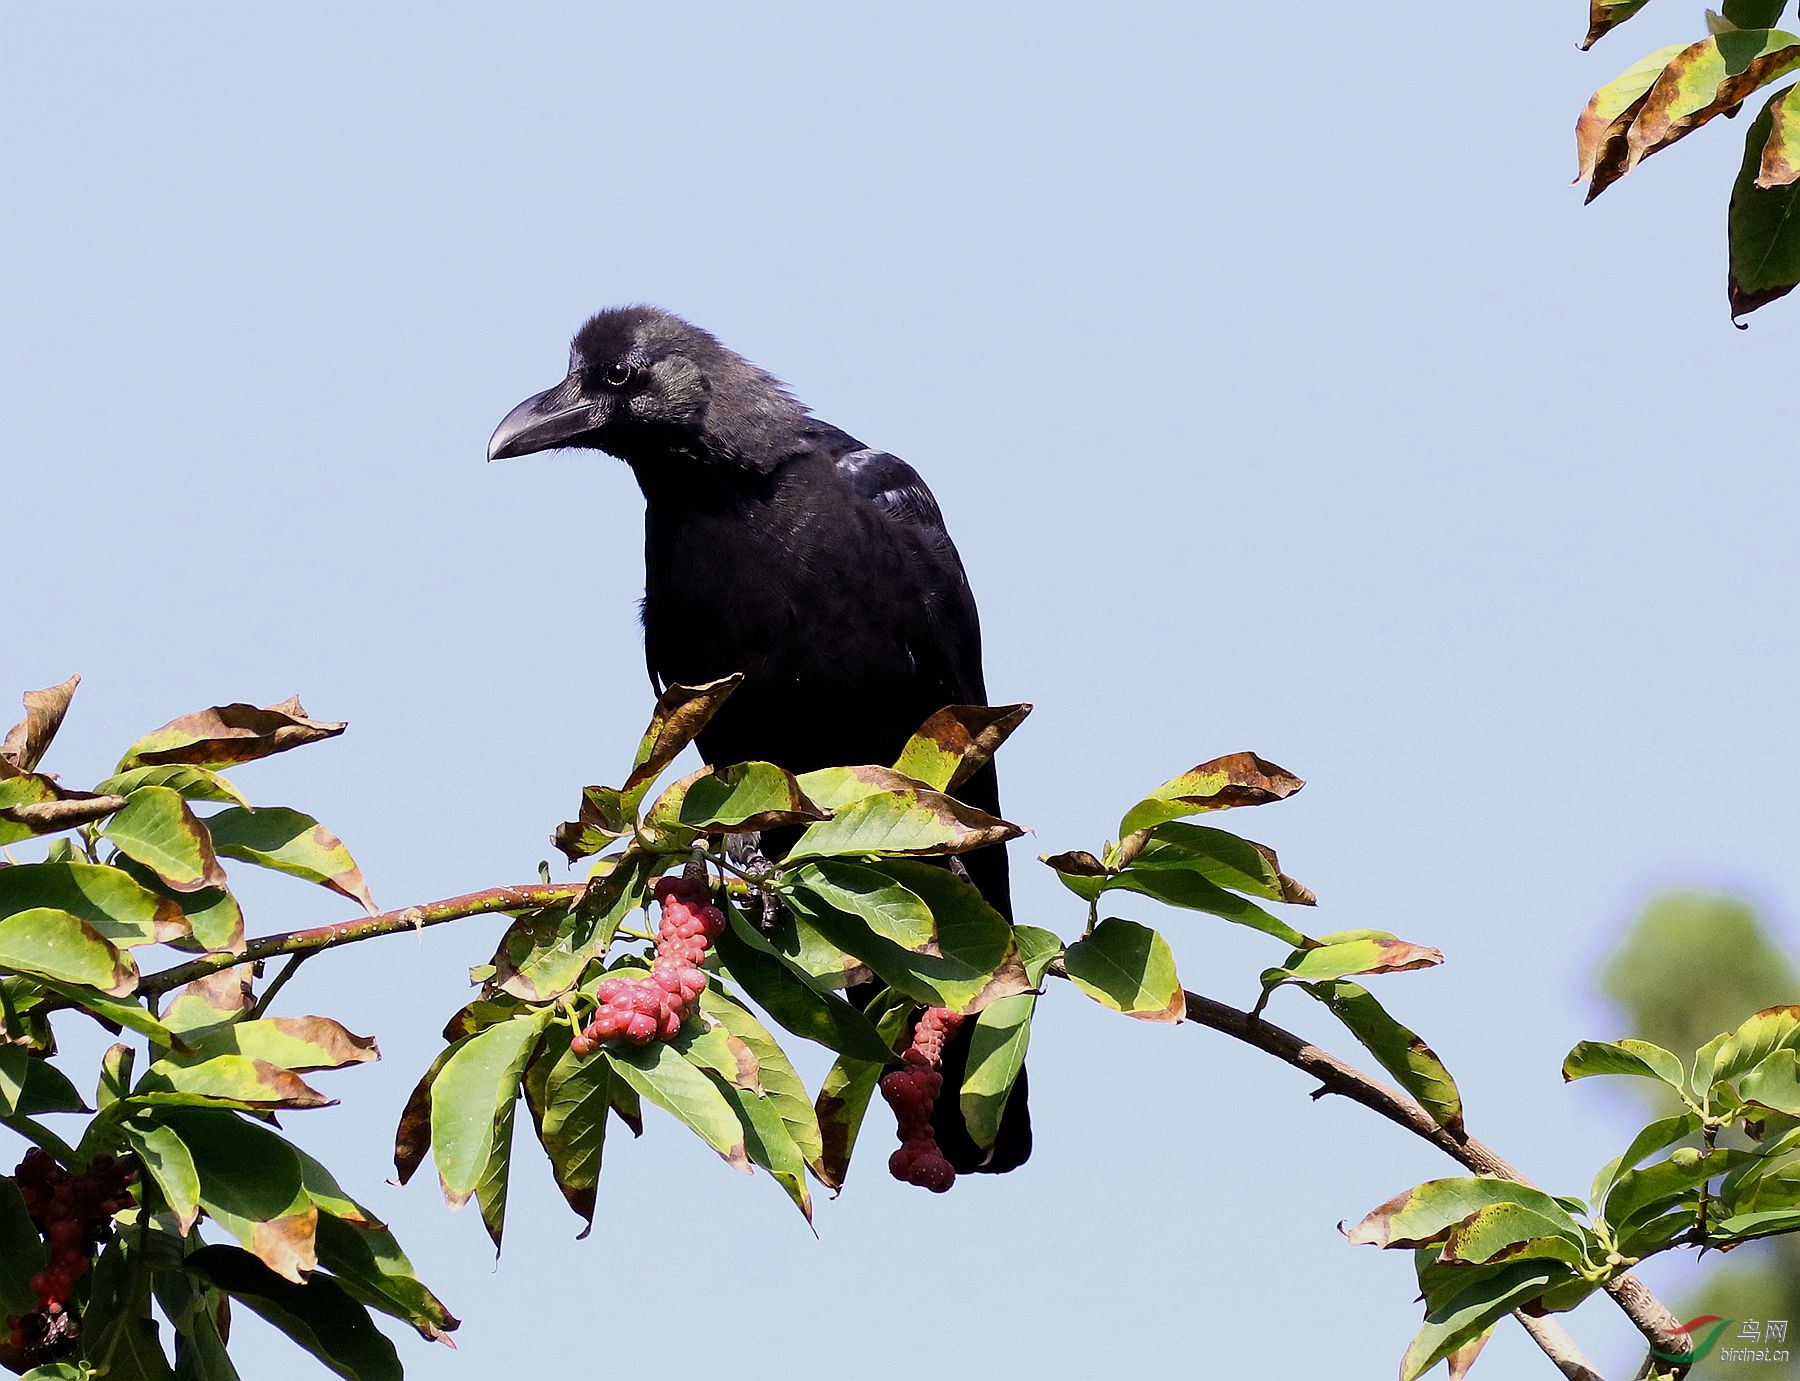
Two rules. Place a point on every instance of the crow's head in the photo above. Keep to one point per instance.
(648, 387)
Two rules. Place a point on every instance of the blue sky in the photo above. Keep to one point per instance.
(1280, 394)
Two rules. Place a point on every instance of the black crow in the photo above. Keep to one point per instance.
(781, 547)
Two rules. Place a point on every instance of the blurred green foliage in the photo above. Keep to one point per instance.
(1695, 964)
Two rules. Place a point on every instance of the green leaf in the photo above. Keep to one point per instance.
(1190, 891)
(226, 735)
(997, 1049)
(781, 1085)
(1351, 953)
(301, 1044)
(1425, 1214)
(1753, 14)
(1638, 1195)
(1737, 1052)
(496, 1177)
(977, 960)
(412, 1137)
(1464, 1316)
(21, 1251)
(1221, 858)
(723, 800)
(890, 910)
(251, 1185)
(661, 1075)
(168, 1162)
(159, 830)
(190, 783)
(781, 989)
(30, 1086)
(1413, 1064)
(543, 953)
(1763, 224)
(292, 843)
(833, 788)
(476, 1087)
(235, 1081)
(114, 904)
(198, 1312)
(957, 742)
(55, 944)
(570, 1098)
(1512, 1231)
(1130, 968)
(320, 1315)
(1747, 1227)
(773, 1118)
(210, 915)
(681, 713)
(365, 1259)
(210, 1002)
(1774, 1083)
(111, 1012)
(1600, 144)
(998, 1042)
(912, 821)
(849, 1085)
(1663, 1132)
(1238, 779)
(1639, 1059)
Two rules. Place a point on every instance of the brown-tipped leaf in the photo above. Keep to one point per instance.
(228, 734)
(912, 821)
(957, 742)
(1601, 150)
(681, 713)
(726, 800)
(1606, 15)
(1707, 79)
(290, 842)
(1238, 779)
(24, 745)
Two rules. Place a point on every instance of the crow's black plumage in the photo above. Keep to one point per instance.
(778, 546)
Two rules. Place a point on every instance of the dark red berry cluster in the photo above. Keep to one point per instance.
(641, 1010)
(74, 1214)
(912, 1093)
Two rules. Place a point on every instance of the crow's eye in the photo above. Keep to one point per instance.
(620, 374)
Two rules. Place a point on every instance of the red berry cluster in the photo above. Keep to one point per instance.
(912, 1093)
(641, 1010)
(74, 1214)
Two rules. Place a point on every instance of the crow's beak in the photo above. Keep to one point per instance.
(546, 420)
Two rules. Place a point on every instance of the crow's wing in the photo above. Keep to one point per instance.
(946, 648)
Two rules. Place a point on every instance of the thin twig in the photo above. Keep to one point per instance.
(1650, 1315)
(276, 984)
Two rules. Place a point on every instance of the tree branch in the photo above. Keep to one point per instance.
(1648, 1313)
(300, 942)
